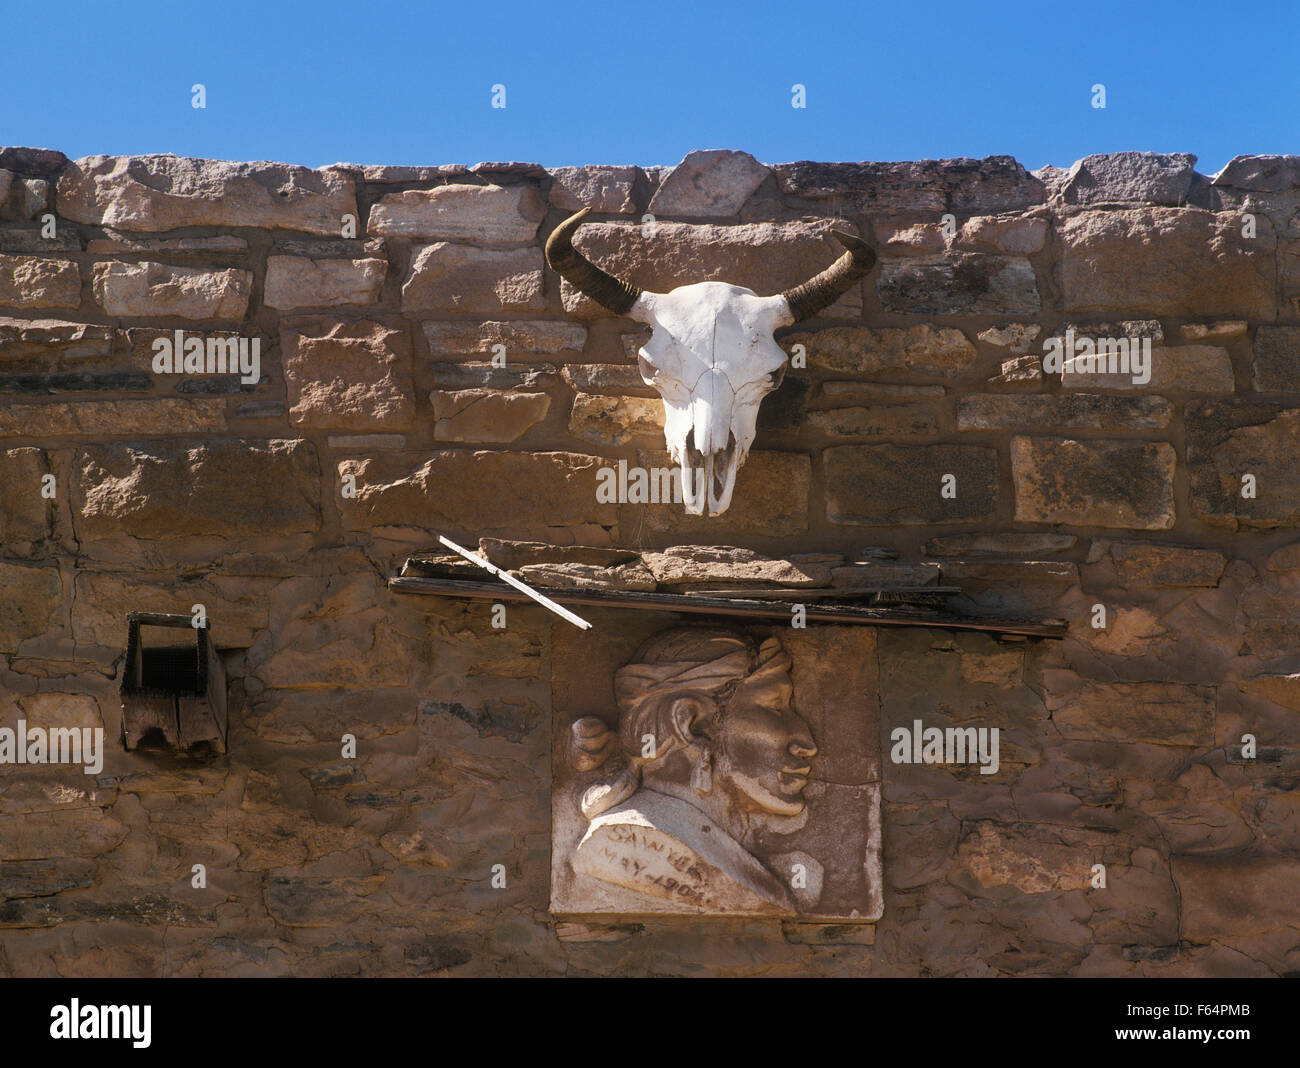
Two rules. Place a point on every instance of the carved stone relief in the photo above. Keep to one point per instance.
(716, 770)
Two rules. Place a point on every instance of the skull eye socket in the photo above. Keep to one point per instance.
(778, 376)
(647, 369)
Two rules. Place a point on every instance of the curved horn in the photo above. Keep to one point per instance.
(578, 271)
(823, 290)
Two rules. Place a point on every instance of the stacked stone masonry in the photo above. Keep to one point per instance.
(380, 295)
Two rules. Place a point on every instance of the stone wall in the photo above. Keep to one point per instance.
(1122, 743)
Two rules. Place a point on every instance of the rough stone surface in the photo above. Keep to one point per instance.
(25, 514)
(1178, 368)
(605, 190)
(347, 375)
(152, 193)
(1154, 712)
(486, 414)
(165, 192)
(226, 487)
(1018, 337)
(1130, 177)
(461, 278)
(1227, 440)
(547, 488)
(694, 566)
(38, 282)
(964, 186)
(1147, 565)
(1020, 411)
(112, 418)
(31, 597)
(765, 257)
(633, 576)
(886, 420)
(1166, 262)
(883, 485)
(140, 290)
(606, 378)
(771, 500)
(297, 282)
(1277, 359)
(483, 374)
(519, 336)
(1094, 483)
(615, 420)
(995, 544)
(708, 184)
(492, 214)
(926, 350)
(965, 283)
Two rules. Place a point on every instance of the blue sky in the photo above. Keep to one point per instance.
(601, 82)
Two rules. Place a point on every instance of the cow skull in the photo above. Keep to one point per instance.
(711, 356)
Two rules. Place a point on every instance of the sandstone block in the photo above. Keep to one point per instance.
(486, 414)
(1018, 337)
(924, 349)
(771, 499)
(139, 290)
(162, 415)
(615, 420)
(1133, 177)
(963, 186)
(298, 282)
(1030, 411)
(347, 375)
(884, 485)
(606, 378)
(1141, 565)
(219, 487)
(1017, 235)
(605, 190)
(25, 515)
(39, 282)
(691, 565)
(1231, 899)
(1094, 483)
(152, 193)
(461, 278)
(464, 489)
(999, 544)
(31, 596)
(878, 421)
(1159, 713)
(1277, 359)
(1167, 262)
(1189, 368)
(36, 338)
(519, 336)
(709, 183)
(963, 283)
(487, 214)
(1227, 440)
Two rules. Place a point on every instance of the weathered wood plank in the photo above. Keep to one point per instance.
(734, 606)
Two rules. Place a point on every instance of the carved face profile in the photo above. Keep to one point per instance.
(708, 748)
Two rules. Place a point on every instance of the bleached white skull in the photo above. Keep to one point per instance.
(711, 356)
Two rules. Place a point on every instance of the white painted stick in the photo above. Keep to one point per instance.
(577, 621)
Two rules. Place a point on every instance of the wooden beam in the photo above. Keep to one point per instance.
(752, 608)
